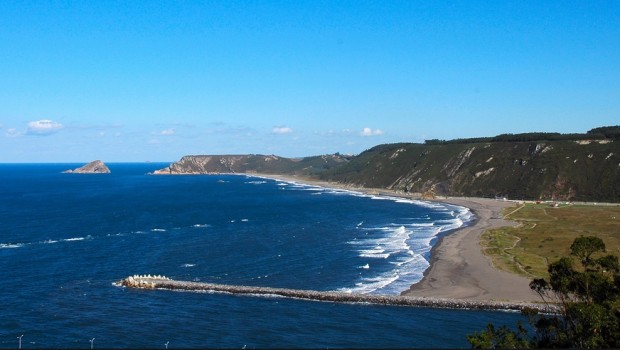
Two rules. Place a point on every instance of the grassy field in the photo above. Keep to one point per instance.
(545, 234)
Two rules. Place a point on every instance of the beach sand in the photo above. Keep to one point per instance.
(459, 269)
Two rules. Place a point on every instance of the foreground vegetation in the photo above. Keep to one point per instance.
(545, 233)
(586, 285)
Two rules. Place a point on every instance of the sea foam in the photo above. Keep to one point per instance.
(401, 249)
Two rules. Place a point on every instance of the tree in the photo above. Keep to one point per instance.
(586, 287)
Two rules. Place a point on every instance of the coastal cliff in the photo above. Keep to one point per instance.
(534, 166)
(581, 170)
(253, 164)
(94, 167)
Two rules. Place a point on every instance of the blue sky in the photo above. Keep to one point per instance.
(148, 80)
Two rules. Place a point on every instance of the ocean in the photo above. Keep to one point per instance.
(66, 238)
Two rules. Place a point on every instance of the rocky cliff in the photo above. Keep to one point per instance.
(94, 167)
(583, 170)
(546, 166)
(254, 163)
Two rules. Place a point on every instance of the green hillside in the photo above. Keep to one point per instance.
(545, 166)
(582, 170)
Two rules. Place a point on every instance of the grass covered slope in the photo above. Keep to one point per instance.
(545, 234)
(582, 170)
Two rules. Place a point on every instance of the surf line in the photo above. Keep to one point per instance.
(162, 282)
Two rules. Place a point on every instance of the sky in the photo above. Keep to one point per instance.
(133, 81)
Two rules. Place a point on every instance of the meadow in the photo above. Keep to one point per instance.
(544, 234)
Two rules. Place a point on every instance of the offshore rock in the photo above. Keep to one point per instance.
(94, 167)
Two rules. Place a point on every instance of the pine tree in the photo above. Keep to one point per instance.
(586, 286)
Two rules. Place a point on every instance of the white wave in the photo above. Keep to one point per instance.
(369, 285)
(404, 247)
(188, 265)
(315, 189)
(407, 201)
(431, 205)
(375, 255)
(376, 250)
(201, 225)
(74, 239)
(11, 245)
(451, 225)
(256, 182)
(49, 241)
(244, 220)
(158, 230)
(425, 224)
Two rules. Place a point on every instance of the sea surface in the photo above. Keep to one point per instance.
(66, 238)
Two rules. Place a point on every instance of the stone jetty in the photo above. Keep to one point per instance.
(162, 282)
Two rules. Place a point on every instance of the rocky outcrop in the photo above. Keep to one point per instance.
(161, 282)
(94, 167)
(252, 164)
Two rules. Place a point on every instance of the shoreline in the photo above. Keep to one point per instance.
(458, 268)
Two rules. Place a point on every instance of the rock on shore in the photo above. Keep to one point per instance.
(94, 167)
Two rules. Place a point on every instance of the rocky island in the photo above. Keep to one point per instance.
(94, 167)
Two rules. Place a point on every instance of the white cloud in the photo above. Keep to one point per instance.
(281, 130)
(43, 127)
(332, 132)
(370, 132)
(167, 132)
(13, 132)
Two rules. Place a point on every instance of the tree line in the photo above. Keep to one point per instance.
(601, 133)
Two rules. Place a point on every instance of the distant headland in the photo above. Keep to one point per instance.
(94, 167)
(530, 166)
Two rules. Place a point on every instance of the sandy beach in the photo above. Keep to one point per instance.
(459, 269)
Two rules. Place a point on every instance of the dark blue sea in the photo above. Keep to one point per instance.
(66, 238)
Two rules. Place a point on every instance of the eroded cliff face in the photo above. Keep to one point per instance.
(585, 170)
(94, 167)
(558, 170)
(252, 164)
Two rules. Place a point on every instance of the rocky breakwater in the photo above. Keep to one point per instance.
(162, 282)
(94, 167)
